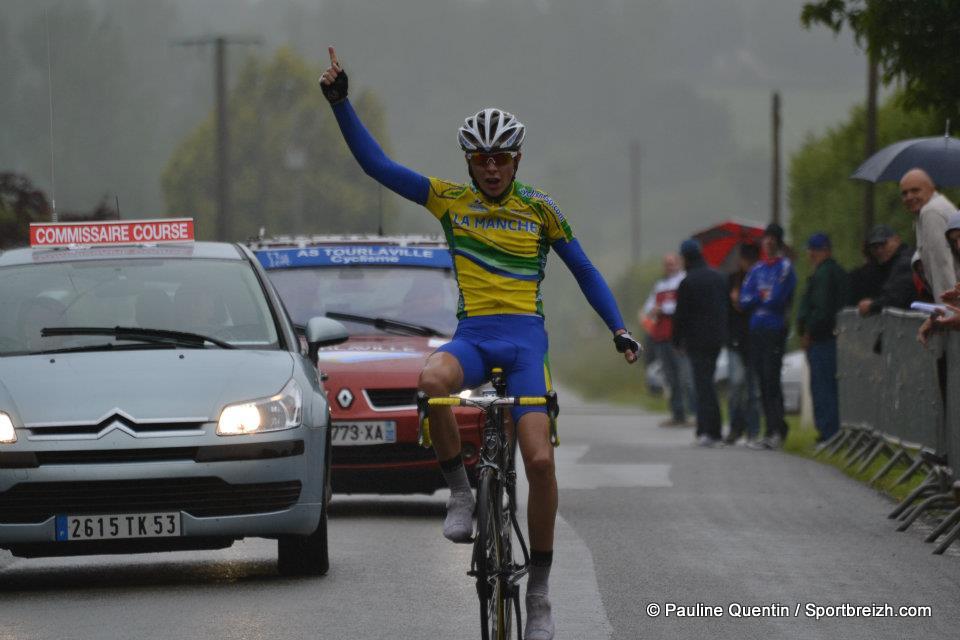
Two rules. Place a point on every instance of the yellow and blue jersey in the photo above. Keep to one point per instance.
(499, 249)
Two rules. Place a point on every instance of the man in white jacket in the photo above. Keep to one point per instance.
(656, 317)
(921, 198)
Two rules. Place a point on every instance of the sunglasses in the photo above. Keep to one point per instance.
(501, 158)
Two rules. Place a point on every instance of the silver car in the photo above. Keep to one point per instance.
(158, 398)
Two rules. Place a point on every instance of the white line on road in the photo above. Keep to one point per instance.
(572, 474)
(578, 607)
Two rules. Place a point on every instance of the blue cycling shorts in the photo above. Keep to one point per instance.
(515, 343)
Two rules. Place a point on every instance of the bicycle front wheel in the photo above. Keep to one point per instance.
(492, 560)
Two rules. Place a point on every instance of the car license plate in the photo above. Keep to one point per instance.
(118, 526)
(344, 434)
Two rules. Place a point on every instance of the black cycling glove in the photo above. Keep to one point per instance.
(626, 342)
(336, 91)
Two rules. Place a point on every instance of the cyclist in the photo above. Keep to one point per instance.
(499, 232)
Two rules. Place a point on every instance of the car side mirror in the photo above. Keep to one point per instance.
(324, 332)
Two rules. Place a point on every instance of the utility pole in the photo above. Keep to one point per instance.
(775, 161)
(222, 226)
(635, 202)
(870, 145)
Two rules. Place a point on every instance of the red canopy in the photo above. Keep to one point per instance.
(721, 242)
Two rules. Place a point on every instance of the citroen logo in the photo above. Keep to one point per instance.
(345, 398)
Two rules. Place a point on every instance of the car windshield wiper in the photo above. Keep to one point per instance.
(156, 336)
(106, 346)
(386, 323)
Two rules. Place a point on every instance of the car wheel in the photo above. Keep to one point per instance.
(308, 555)
(305, 555)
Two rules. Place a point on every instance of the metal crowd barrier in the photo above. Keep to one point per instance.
(901, 399)
(859, 368)
(910, 402)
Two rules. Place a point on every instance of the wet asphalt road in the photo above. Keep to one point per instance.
(646, 519)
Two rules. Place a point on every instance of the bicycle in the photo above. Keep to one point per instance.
(493, 566)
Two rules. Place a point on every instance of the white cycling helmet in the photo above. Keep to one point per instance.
(491, 129)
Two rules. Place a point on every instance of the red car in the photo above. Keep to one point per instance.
(397, 296)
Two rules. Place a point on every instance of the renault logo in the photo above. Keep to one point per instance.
(345, 398)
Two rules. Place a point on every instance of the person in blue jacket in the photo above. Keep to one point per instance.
(767, 294)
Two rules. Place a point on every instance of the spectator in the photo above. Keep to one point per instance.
(767, 293)
(920, 198)
(865, 281)
(656, 317)
(951, 319)
(919, 279)
(700, 329)
(894, 271)
(953, 235)
(743, 394)
(816, 320)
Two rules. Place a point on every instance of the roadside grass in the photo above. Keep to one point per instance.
(801, 441)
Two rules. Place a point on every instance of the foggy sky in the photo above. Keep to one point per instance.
(690, 80)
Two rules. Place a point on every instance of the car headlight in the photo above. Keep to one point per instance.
(8, 435)
(282, 411)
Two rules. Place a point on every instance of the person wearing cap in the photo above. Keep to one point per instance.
(931, 209)
(893, 271)
(700, 329)
(816, 320)
(767, 294)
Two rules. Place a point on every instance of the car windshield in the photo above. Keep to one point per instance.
(221, 299)
(413, 295)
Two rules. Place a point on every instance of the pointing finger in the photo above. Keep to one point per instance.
(334, 60)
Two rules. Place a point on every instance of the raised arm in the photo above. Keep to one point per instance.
(371, 157)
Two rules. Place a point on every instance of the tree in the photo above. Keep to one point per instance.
(912, 41)
(290, 170)
(20, 204)
(822, 196)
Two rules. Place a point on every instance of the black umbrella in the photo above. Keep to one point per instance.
(938, 156)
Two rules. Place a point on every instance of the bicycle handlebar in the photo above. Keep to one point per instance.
(424, 402)
(488, 401)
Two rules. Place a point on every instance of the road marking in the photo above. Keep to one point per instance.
(574, 590)
(572, 474)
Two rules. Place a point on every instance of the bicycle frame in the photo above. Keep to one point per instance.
(496, 468)
(498, 453)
